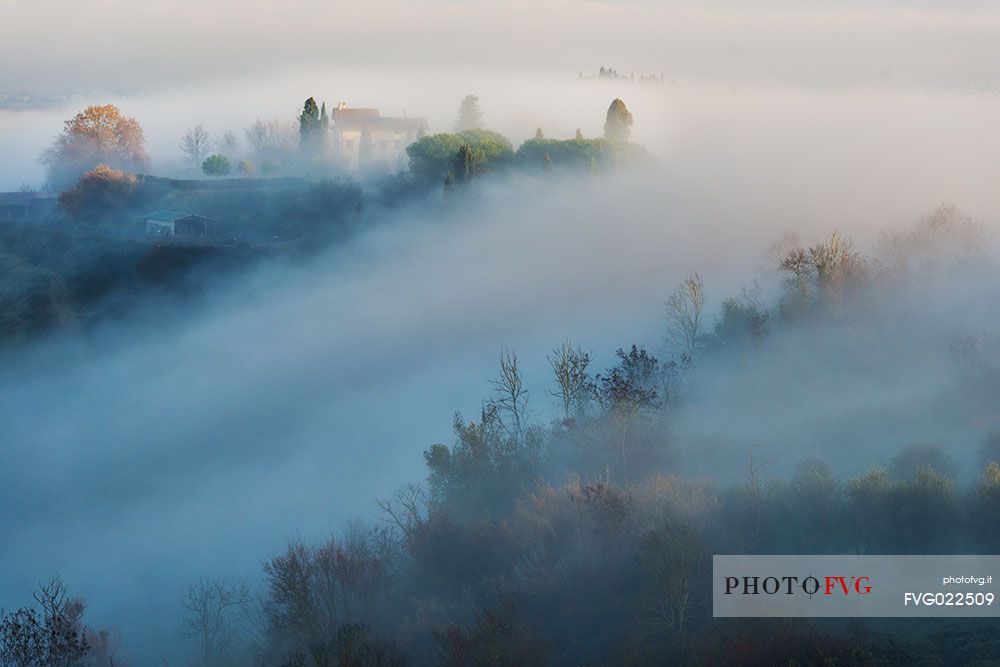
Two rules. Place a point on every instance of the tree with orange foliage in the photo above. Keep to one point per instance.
(102, 193)
(96, 135)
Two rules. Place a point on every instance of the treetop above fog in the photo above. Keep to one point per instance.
(96, 135)
(617, 126)
(470, 116)
(461, 155)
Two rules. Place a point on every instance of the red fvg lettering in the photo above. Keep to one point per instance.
(860, 585)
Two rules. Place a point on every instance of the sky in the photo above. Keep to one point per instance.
(131, 45)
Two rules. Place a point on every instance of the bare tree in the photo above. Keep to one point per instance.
(836, 263)
(315, 591)
(22, 638)
(685, 314)
(257, 135)
(56, 638)
(229, 144)
(629, 394)
(196, 144)
(509, 394)
(407, 511)
(271, 136)
(212, 606)
(569, 364)
(792, 259)
(820, 275)
(947, 239)
(673, 560)
(758, 491)
(105, 648)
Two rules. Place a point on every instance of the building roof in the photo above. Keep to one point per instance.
(344, 115)
(170, 216)
(165, 216)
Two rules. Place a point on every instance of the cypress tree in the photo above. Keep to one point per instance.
(324, 129)
(309, 128)
(617, 126)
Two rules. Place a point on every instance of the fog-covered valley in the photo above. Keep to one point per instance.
(186, 444)
(174, 413)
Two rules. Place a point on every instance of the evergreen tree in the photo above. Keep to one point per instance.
(538, 134)
(468, 163)
(310, 128)
(618, 123)
(579, 134)
(470, 116)
(464, 163)
(324, 129)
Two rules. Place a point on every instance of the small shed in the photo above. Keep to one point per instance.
(175, 224)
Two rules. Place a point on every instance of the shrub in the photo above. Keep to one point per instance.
(216, 165)
(435, 156)
(101, 193)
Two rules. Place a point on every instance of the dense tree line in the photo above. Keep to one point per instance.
(72, 275)
(101, 154)
(470, 152)
(44, 292)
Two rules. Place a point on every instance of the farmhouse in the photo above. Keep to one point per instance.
(364, 139)
(174, 224)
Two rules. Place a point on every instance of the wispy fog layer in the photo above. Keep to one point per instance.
(858, 148)
(180, 445)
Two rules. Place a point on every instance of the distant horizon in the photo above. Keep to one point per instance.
(132, 46)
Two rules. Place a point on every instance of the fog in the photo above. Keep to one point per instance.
(190, 444)
(195, 440)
